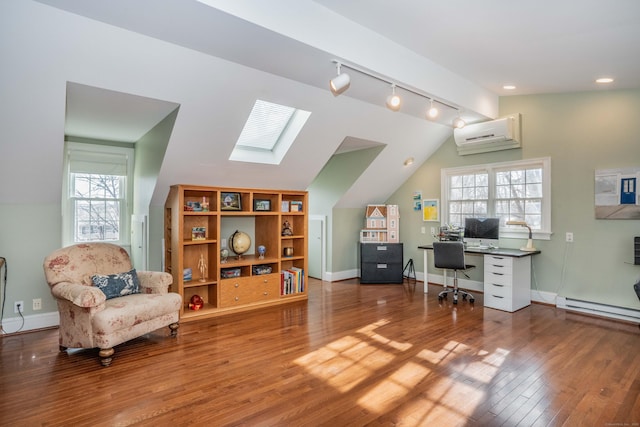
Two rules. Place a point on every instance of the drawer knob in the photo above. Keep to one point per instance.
(265, 293)
(236, 285)
(265, 280)
(237, 298)
(495, 284)
(498, 296)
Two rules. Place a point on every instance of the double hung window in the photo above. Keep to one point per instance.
(519, 191)
(97, 188)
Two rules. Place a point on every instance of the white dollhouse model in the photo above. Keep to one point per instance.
(382, 224)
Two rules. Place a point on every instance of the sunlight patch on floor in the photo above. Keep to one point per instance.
(394, 388)
(350, 360)
(369, 331)
(345, 363)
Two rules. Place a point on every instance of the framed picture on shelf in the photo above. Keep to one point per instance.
(296, 206)
(230, 202)
(198, 233)
(261, 205)
(284, 207)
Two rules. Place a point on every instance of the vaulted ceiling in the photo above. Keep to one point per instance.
(459, 52)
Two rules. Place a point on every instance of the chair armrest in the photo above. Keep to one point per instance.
(154, 282)
(80, 295)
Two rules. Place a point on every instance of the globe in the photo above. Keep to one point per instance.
(239, 242)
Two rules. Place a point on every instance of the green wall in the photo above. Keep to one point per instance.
(335, 178)
(580, 132)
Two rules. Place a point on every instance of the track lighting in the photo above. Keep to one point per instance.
(339, 83)
(458, 123)
(393, 100)
(433, 111)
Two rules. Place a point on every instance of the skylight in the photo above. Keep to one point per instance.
(268, 133)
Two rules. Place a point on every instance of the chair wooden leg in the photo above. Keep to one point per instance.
(106, 356)
(174, 328)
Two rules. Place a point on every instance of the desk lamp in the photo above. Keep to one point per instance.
(529, 247)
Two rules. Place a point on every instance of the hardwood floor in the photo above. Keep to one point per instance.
(353, 355)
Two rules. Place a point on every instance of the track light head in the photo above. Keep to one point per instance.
(458, 123)
(433, 111)
(393, 100)
(339, 83)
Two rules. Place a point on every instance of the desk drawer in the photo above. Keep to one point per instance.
(500, 299)
(498, 264)
(498, 278)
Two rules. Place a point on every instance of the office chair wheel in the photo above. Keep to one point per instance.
(464, 297)
(440, 300)
(472, 300)
(455, 301)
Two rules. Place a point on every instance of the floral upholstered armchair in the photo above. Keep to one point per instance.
(103, 301)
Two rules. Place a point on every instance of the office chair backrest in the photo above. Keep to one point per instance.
(449, 255)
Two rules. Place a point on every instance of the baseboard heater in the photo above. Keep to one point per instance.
(597, 309)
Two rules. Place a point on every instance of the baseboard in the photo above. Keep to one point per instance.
(342, 275)
(32, 322)
(543, 297)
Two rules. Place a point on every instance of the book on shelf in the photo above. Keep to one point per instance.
(292, 281)
(284, 206)
(198, 233)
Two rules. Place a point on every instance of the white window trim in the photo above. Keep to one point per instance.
(67, 205)
(515, 233)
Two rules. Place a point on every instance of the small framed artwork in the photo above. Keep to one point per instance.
(230, 202)
(430, 210)
(284, 207)
(261, 205)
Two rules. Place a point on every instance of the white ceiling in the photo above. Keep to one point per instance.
(540, 47)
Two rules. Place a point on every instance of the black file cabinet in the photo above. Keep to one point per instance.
(381, 263)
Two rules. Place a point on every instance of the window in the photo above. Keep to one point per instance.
(97, 185)
(518, 191)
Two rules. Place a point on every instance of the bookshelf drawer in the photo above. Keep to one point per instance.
(246, 290)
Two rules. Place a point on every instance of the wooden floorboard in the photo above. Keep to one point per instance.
(353, 355)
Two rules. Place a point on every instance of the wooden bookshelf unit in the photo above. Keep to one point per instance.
(198, 224)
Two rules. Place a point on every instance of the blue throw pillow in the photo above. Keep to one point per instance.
(117, 285)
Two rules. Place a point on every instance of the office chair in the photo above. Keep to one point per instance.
(450, 256)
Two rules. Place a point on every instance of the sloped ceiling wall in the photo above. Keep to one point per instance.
(44, 48)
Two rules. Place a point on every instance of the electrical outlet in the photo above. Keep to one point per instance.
(423, 230)
(18, 307)
(37, 304)
(569, 237)
(433, 231)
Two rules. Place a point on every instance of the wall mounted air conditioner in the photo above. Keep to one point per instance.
(494, 135)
